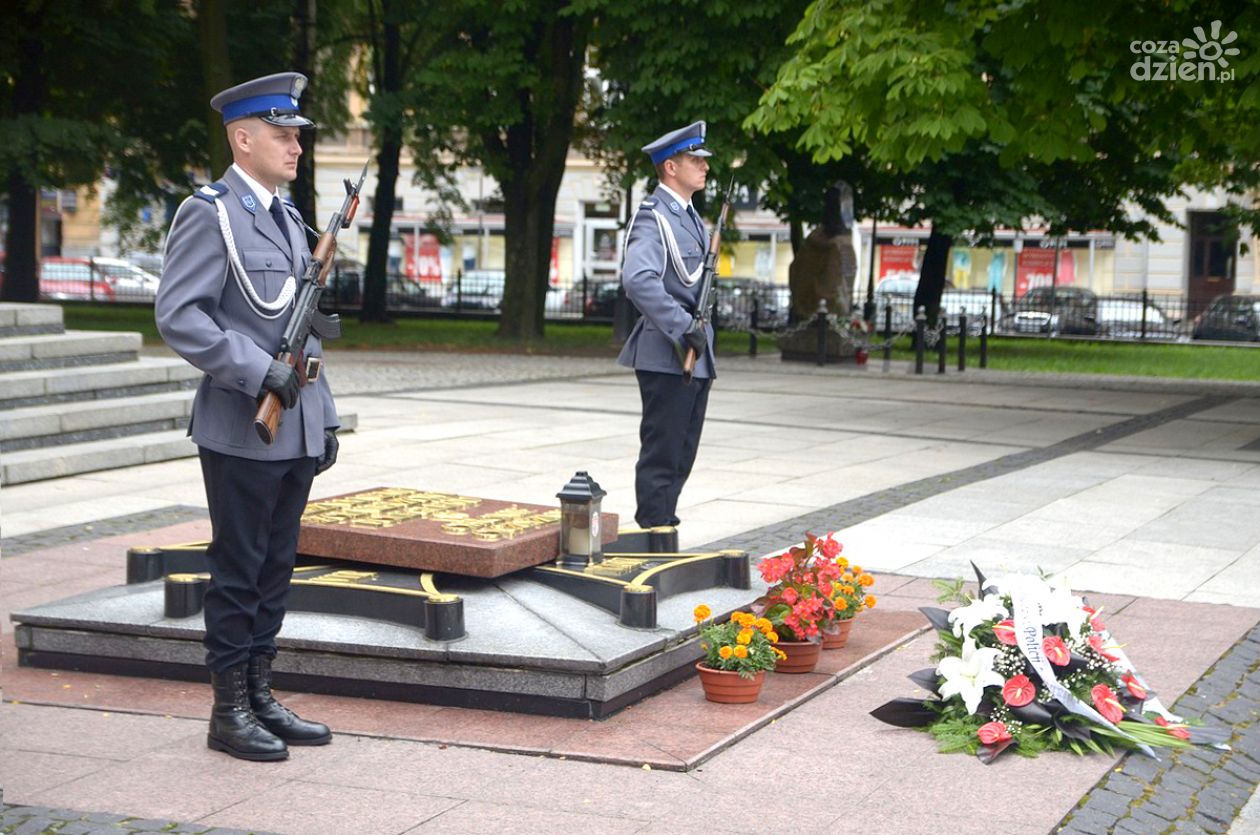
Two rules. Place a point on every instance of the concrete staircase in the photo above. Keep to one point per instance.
(79, 401)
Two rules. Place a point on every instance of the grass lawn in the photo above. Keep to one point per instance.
(1201, 361)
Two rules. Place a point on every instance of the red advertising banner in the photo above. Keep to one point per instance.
(422, 261)
(895, 261)
(1036, 267)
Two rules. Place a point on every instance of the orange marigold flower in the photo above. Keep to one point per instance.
(773, 636)
(725, 652)
(841, 604)
(846, 577)
(763, 624)
(848, 589)
(744, 637)
(702, 612)
(741, 652)
(857, 569)
(779, 653)
(842, 562)
(870, 601)
(865, 579)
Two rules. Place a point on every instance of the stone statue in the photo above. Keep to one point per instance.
(826, 265)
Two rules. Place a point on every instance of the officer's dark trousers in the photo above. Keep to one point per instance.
(669, 435)
(255, 510)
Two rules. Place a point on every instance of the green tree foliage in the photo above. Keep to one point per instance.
(1001, 113)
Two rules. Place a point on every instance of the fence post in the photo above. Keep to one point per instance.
(962, 339)
(459, 291)
(992, 321)
(941, 344)
(821, 324)
(753, 315)
(1144, 299)
(984, 344)
(887, 337)
(920, 337)
(584, 296)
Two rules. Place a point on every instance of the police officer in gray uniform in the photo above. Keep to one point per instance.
(661, 275)
(233, 253)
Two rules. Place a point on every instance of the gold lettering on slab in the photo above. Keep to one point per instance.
(343, 578)
(498, 525)
(387, 507)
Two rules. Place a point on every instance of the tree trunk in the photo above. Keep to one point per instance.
(216, 70)
(932, 275)
(533, 158)
(303, 188)
(21, 268)
(389, 134)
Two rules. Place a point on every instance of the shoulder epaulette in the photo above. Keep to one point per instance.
(648, 203)
(211, 192)
(288, 202)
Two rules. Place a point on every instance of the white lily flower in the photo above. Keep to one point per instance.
(1061, 606)
(967, 618)
(968, 675)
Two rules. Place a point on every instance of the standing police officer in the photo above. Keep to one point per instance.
(661, 274)
(228, 282)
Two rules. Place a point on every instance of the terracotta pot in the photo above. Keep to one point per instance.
(838, 636)
(802, 656)
(729, 688)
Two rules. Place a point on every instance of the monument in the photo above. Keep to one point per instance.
(823, 271)
(434, 597)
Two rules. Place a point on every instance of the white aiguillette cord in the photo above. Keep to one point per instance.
(671, 246)
(267, 310)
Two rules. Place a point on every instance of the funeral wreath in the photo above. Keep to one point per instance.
(1030, 667)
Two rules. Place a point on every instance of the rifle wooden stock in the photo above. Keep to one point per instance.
(267, 418)
(689, 364)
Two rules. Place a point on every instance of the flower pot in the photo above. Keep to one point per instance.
(802, 656)
(838, 635)
(729, 688)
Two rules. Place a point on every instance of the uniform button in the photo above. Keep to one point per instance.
(268, 262)
(240, 382)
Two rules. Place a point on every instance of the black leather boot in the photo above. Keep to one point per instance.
(233, 727)
(277, 718)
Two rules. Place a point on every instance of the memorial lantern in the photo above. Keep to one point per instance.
(580, 536)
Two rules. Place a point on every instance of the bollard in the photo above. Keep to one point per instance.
(887, 338)
(752, 326)
(920, 337)
(821, 323)
(941, 345)
(984, 344)
(1145, 299)
(962, 339)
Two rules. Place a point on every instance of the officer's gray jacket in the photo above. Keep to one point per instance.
(204, 317)
(653, 283)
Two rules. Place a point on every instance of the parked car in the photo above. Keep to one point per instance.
(978, 304)
(130, 283)
(72, 279)
(1056, 310)
(601, 299)
(735, 298)
(896, 294)
(475, 290)
(1232, 316)
(1121, 318)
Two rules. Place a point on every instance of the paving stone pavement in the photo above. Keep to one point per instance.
(1191, 791)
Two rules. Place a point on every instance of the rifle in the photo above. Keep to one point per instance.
(306, 318)
(706, 281)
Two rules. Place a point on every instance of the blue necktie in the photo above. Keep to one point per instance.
(691, 212)
(277, 214)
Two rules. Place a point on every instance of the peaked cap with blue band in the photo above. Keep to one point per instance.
(684, 140)
(272, 98)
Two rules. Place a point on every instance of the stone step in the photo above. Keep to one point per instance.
(17, 319)
(63, 350)
(75, 459)
(147, 375)
(91, 420)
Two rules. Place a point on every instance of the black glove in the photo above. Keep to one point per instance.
(696, 339)
(331, 445)
(282, 378)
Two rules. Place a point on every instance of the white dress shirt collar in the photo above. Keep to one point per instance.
(260, 191)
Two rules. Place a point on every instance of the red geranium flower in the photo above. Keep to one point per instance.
(790, 595)
(992, 732)
(829, 547)
(1178, 731)
(1005, 631)
(1133, 686)
(1107, 703)
(1056, 651)
(1018, 691)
